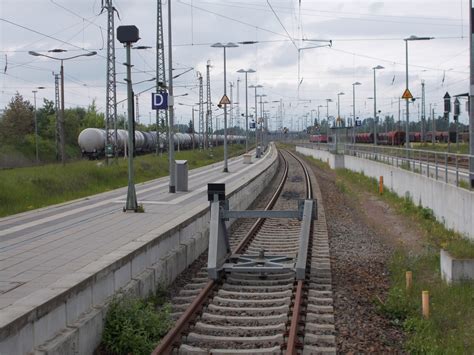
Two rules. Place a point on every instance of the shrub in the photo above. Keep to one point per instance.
(134, 326)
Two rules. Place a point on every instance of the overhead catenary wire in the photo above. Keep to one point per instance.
(282, 25)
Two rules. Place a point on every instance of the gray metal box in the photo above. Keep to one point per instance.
(181, 170)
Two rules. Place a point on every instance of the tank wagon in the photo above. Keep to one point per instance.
(92, 141)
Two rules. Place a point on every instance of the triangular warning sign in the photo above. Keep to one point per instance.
(407, 95)
(224, 101)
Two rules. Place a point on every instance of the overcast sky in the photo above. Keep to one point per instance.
(364, 34)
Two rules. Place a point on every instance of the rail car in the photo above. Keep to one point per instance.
(92, 141)
(318, 138)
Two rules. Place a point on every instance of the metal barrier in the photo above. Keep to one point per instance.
(450, 167)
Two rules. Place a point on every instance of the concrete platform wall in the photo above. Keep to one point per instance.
(73, 315)
(451, 205)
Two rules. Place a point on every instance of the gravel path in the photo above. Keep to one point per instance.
(359, 255)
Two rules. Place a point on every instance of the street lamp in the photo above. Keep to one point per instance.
(354, 110)
(246, 107)
(256, 115)
(327, 115)
(36, 123)
(261, 118)
(339, 106)
(319, 106)
(224, 46)
(378, 67)
(61, 121)
(411, 38)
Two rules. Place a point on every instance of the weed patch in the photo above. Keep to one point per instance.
(135, 326)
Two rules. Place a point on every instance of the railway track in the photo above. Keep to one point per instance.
(262, 313)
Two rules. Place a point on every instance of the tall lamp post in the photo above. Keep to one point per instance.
(354, 109)
(327, 115)
(261, 96)
(319, 122)
(339, 105)
(224, 46)
(471, 96)
(378, 67)
(411, 38)
(256, 115)
(36, 123)
(61, 121)
(246, 107)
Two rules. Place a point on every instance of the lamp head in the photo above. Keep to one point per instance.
(378, 67)
(248, 42)
(217, 45)
(416, 38)
(57, 50)
(33, 53)
(356, 83)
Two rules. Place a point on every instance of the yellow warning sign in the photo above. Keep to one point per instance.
(224, 101)
(407, 95)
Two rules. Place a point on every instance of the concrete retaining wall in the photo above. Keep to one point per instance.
(451, 205)
(71, 322)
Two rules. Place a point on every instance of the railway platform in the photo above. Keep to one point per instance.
(60, 265)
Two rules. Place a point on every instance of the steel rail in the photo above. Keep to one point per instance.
(292, 344)
(165, 345)
(258, 224)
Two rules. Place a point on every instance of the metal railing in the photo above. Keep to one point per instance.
(449, 167)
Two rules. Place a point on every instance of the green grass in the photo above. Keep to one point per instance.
(24, 189)
(134, 326)
(443, 147)
(450, 328)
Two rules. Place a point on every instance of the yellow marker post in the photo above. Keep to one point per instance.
(425, 303)
(381, 185)
(409, 280)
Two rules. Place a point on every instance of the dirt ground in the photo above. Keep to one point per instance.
(364, 231)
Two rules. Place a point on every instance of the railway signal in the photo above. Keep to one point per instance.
(128, 35)
(447, 106)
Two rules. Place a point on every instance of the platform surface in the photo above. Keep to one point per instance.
(39, 247)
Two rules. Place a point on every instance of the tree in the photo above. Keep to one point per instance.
(191, 127)
(18, 120)
(92, 118)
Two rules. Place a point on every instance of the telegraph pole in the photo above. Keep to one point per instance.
(471, 98)
(172, 185)
(238, 104)
(111, 84)
(56, 105)
(208, 105)
(161, 115)
(202, 127)
(231, 116)
(423, 112)
(137, 109)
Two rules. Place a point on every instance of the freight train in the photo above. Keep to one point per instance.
(92, 141)
(395, 137)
